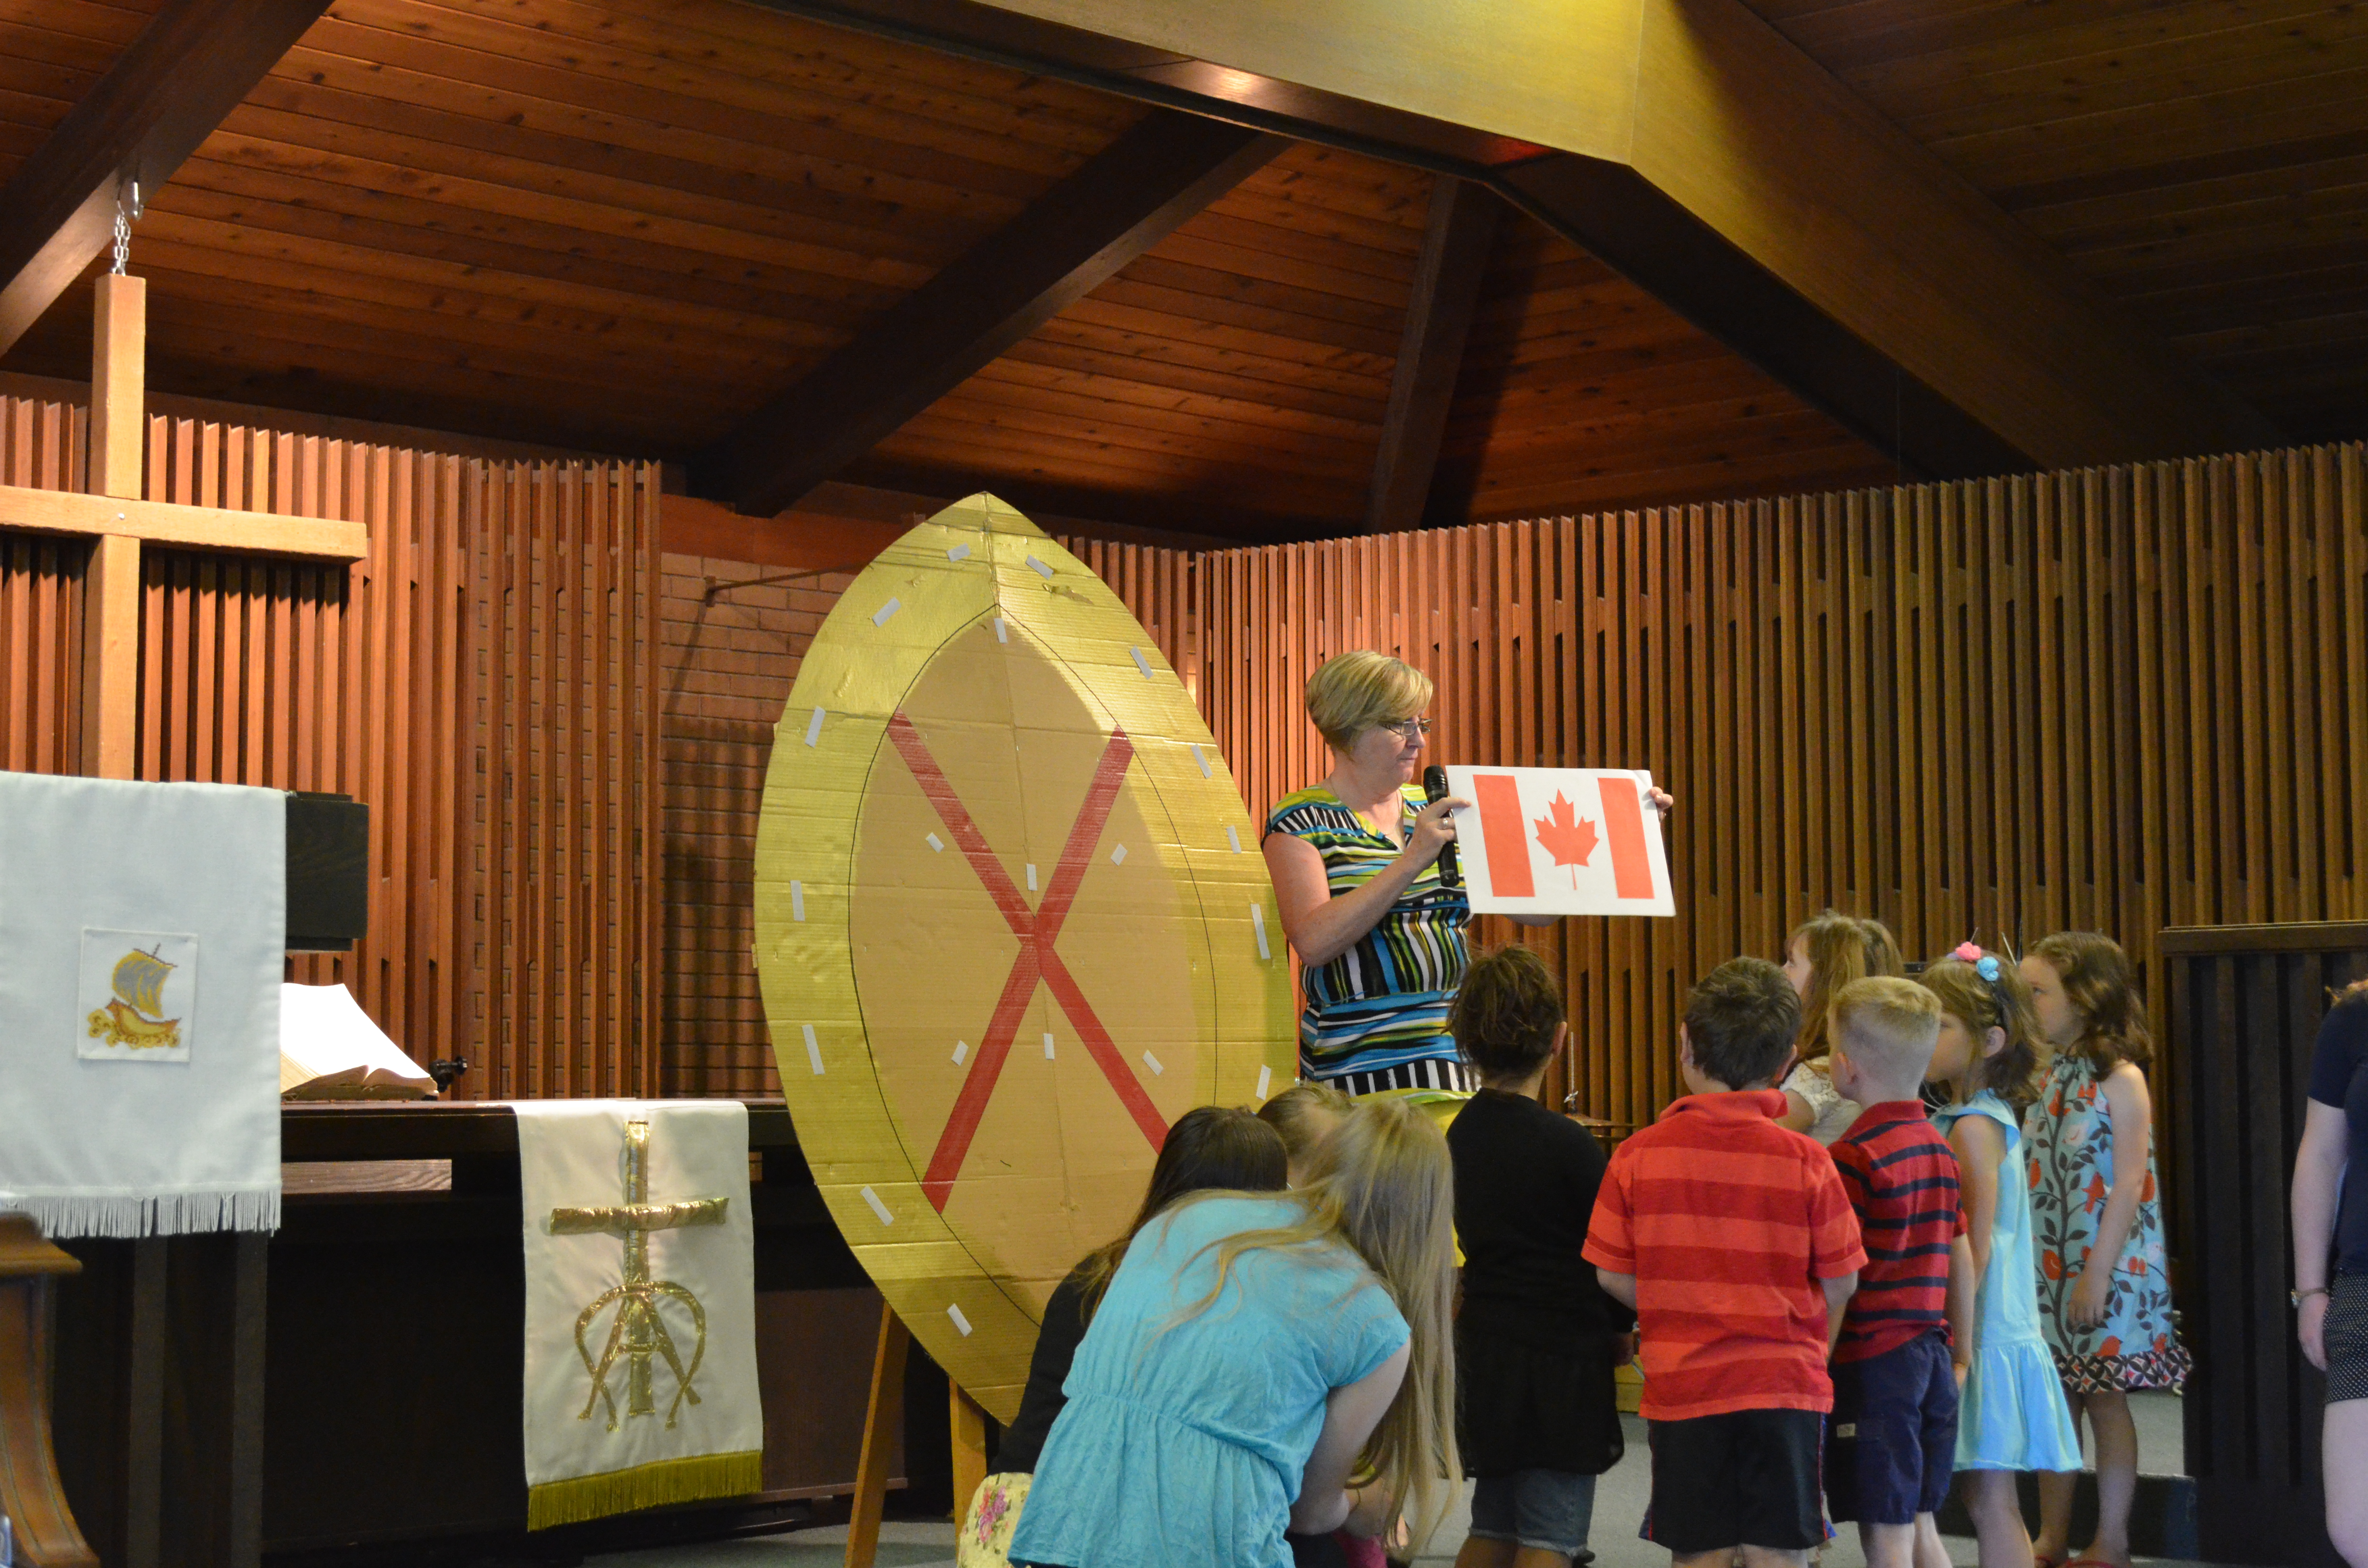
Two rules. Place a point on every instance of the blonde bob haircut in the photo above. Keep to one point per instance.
(1351, 693)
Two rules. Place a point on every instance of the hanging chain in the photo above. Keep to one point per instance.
(127, 211)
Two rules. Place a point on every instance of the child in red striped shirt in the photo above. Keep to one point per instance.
(1733, 1240)
(1893, 1443)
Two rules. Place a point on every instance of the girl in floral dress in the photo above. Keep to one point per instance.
(2104, 1291)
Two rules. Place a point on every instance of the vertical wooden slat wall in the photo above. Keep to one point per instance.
(375, 681)
(41, 595)
(2118, 698)
(565, 661)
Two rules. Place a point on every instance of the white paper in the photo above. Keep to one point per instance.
(1551, 828)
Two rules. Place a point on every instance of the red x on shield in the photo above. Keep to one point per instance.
(1038, 930)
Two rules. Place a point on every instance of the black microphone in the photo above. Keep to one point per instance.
(1434, 787)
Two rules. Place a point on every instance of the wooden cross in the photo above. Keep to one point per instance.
(119, 518)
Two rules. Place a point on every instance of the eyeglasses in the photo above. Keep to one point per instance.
(1410, 729)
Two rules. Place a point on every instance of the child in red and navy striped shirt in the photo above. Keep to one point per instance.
(1733, 1239)
(1893, 1445)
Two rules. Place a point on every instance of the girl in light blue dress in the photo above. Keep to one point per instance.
(1261, 1362)
(2012, 1416)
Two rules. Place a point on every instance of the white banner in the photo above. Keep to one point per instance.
(641, 1306)
(142, 942)
(1560, 841)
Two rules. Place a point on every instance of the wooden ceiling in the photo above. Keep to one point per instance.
(2204, 162)
(628, 225)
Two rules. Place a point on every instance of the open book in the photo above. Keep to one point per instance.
(331, 1050)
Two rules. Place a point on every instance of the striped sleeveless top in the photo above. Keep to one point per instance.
(1384, 1001)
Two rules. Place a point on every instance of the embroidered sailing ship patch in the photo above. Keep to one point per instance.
(138, 999)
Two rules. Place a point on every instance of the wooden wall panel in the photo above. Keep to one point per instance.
(565, 743)
(2119, 698)
(379, 681)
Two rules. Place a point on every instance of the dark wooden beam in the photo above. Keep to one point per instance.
(1119, 204)
(191, 65)
(1439, 316)
(1992, 359)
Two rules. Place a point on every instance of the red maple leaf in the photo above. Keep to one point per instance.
(1569, 842)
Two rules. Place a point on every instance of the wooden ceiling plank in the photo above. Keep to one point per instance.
(184, 71)
(574, 258)
(1278, 209)
(988, 449)
(1865, 33)
(1052, 410)
(560, 351)
(1392, 268)
(490, 207)
(832, 195)
(2119, 139)
(2229, 85)
(403, 281)
(1115, 208)
(1287, 309)
(464, 347)
(112, 26)
(985, 464)
(598, 200)
(2256, 192)
(1081, 350)
(2196, 43)
(1462, 223)
(1285, 334)
(522, 63)
(846, 66)
(1241, 256)
(1159, 338)
(1234, 517)
(627, 115)
(252, 359)
(1126, 386)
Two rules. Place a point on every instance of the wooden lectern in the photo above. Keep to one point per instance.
(30, 1494)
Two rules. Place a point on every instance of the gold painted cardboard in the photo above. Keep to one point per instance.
(976, 668)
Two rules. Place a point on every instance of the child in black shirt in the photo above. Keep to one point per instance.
(1537, 1339)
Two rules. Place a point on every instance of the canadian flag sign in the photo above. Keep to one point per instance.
(1560, 841)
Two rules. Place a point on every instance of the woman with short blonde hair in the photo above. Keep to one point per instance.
(1355, 862)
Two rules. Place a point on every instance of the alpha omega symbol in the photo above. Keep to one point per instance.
(636, 1334)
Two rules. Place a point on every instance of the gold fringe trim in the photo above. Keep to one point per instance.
(643, 1486)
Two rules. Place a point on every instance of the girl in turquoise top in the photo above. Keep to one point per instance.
(1251, 1355)
(2012, 1416)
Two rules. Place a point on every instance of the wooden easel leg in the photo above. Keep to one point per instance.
(879, 1427)
(968, 1423)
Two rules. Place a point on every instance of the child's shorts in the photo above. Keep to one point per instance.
(1746, 1478)
(1892, 1444)
(1548, 1509)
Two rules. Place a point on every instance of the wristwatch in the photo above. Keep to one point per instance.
(2295, 1297)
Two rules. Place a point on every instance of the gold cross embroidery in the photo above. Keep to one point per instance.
(637, 1333)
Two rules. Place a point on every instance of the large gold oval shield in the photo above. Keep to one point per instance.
(1011, 923)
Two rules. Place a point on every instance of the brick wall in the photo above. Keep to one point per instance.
(727, 664)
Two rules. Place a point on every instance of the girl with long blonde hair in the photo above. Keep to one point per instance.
(1262, 1363)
